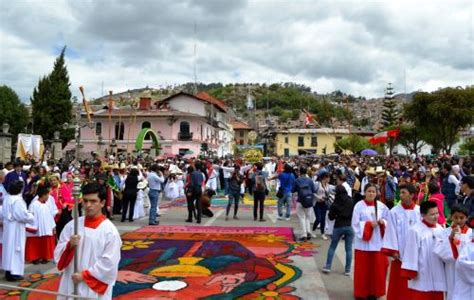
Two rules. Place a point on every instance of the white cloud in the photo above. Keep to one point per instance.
(351, 46)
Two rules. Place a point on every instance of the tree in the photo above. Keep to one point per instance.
(440, 115)
(467, 148)
(13, 111)
(390, 113)
(353, 143)
(411, 138)
(51, 102)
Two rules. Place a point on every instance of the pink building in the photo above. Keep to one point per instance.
(184, 123)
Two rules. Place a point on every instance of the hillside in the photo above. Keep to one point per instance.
(281, 102)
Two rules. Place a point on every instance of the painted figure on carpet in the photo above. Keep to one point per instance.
(198, 273)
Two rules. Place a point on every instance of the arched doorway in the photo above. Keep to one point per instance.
(155, 149)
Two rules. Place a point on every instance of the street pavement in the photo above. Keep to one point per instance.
(312, 285)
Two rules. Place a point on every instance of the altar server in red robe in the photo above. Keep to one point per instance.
(448, 247)
(98, 248)
(423, 268)
(370, 268)
(401, 218)
(41, 235)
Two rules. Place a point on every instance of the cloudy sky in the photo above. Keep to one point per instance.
(353, 46)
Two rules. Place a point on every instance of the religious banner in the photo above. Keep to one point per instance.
(30, 146)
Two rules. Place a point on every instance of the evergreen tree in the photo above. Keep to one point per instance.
(390, 113)
(13, 111)
(51, 102)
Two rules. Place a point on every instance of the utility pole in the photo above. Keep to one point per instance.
(195, 59)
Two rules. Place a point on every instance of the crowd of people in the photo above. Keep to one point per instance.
(415, 212)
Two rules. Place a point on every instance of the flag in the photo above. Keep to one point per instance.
(393, 133)
(308, 117)
(112, 183)
(382, 137)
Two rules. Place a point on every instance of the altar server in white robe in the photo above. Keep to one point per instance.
(41, 235)
(424, 270)
(447, 247)
(369, 221)
(98, 248)
(464, 284)
(15, 217)
(401, 218)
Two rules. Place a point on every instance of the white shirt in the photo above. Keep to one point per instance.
(155, 181)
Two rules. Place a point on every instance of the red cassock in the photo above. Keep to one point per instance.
(40, 247)
(371, 265)
(370, 273)
(398, 285)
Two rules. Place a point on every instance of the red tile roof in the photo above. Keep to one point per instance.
(208, 98)
(201, 96)
(239, 125)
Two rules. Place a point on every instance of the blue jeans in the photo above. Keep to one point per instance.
(234, 196)
(154, 195)
(348, 233)
(226, 186)
(286, 201)
(320, 209)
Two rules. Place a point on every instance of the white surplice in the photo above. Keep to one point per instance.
(419, 257)
(444, 251)
(362, 214)
(16, 216)
(464, 284)
(399, 221)
(43, 219)
(51, 205)
(98, 252)
(139, 209)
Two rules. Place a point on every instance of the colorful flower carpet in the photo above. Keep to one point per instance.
(193, 262)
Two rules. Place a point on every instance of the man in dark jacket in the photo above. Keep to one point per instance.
(16, 174)
(197, 179)
(341, 212)
(467, 188)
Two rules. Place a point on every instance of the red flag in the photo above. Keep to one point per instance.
(382, 137)
(308, 117)
(393, 133)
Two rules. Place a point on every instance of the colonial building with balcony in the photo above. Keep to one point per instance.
(184, 124)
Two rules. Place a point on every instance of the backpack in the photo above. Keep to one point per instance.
(305, 195)
(260, 182)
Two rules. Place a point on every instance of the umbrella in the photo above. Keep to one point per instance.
(369, 152)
